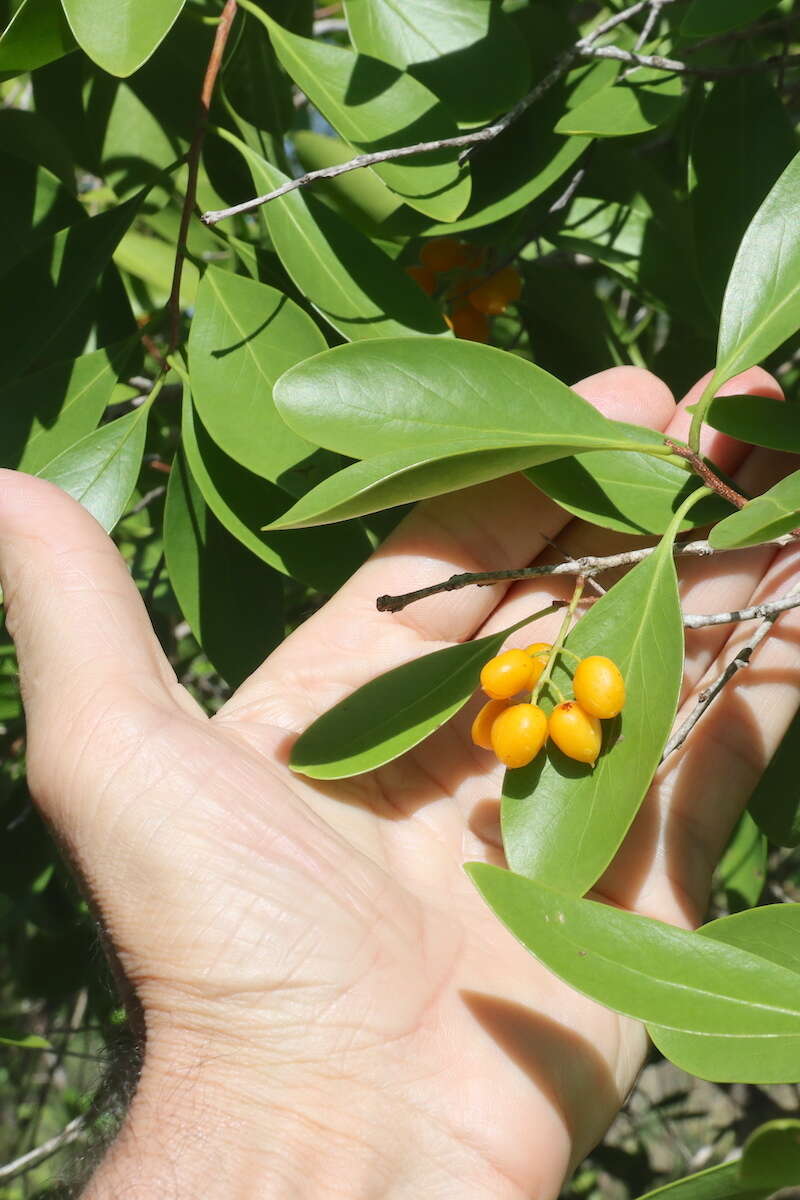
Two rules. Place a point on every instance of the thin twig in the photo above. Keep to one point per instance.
(709, 694)
(193, 159)
(588, 565)
(707, 474)
(770, 608)
(649, 25)
(70, 1133)
(146, 499)
(675, 67)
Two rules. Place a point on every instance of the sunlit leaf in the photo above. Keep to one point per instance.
(647, 99)
(757, 420)
(121, 36)
(770, 515)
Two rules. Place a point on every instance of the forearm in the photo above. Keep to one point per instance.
(195, 1128)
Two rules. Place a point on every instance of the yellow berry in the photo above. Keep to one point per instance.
(466, 323)
(599, 687)
(506, 674)
(495, 294)
(518, 734)
(538, 651)
(424, 277)
(482, 725)
(577, 733)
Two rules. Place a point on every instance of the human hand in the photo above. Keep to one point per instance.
(330, 1009)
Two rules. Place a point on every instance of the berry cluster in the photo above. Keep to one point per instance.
(471, 294)
(517, 732)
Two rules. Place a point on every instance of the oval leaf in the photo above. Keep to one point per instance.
(758, 421)
(121, 36)
(348, 279)
(648, 99)
(244, 335)
(563, 822)
(768, 516)
(771, 1156)
(692, 990)
(373, 106)
(238, 624)
(100, 471)
(742, 868)
(770, 938)
(38, 33)
(395, 712)
(716, 1183)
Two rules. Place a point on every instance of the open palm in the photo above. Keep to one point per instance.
(317, 948)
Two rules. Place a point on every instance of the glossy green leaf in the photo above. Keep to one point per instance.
(563, 821)
(761, 308)
(379, 397)
(768, 1052)
(395, 712)
(775, 803)
(745, 136)
(466, 51)
(716, 1183)
(647, 99)
(694, 991)
(153, 261)
(373, 106)
(632, 493)
(120, 37)
(758, 420)
(706, 17)
(348, 279)
(100, 471)
(51, 281)
(742, 868)
(769, 516)
(242, 501)
(359, 196)
(244, 335)
(48, 411)
(771, 1156)
(238, 624)
(38, 33)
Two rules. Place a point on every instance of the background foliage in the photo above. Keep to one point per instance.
(621, 195)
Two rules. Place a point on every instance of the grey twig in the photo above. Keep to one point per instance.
(769, 610)
(742, 659)
(70, 1133)
(675, 67)
(649, 25)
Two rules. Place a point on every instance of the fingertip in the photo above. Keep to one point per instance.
(630, 394)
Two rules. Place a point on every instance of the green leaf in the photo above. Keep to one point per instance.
(32, 1042)
(775, 804)
(716, 1183)
(359, 196)
(348, 279)
(52, 280)
(768, 516)
(47, 412)
(238, 624)
(376, 398)
(707, 17)
(33, 205)
(244, 335)
(757, 420)
(121, 37)
(242, 501)
(761, 308)
(38, 33)
(632, 493)
(693, 989)
(745, 137)
(649, 99)
(373, 106)
(562, 821)
(466, 51)
(771, 1155)
(395, 712)
(100, 471)
(769, 940)
(152, 260)
(742, 868)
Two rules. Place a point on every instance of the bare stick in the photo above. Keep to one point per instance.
(649, 25)
(709, 694)
(707, 474)
(675, 67)
(770, 608)
(70, 1133)
(193, 159)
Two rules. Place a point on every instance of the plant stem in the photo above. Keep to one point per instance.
(699, 415)
(558, 644)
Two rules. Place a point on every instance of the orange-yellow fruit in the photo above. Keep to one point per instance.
(599, 687)
(498, 291)
(577, 733)
(425, 277)
(518, 734)
(482, 725)
(538, 652)
(468, 324)
(445, 254)
(506, 674)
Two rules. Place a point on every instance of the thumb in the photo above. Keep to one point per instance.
(85, 645)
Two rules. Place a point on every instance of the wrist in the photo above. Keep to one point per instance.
(208, 1121)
